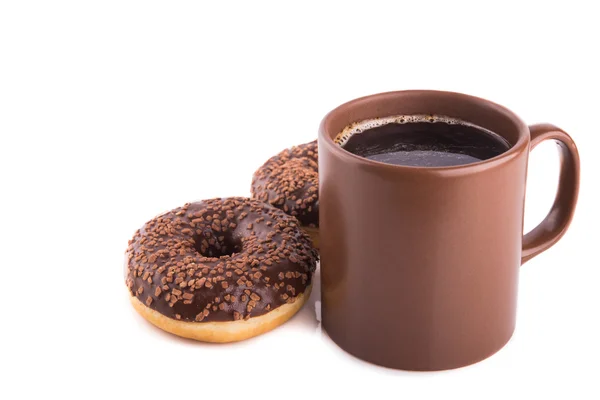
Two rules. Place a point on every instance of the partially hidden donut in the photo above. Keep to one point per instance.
(290, 182)
(220, 270)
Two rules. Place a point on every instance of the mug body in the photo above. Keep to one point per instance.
(419, 266)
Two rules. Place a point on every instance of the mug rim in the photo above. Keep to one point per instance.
(521, 143)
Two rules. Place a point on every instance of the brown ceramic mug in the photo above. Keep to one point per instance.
(419, 265)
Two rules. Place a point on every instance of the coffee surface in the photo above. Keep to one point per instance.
(432, 142)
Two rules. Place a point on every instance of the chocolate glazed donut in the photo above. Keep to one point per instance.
(220, 270)
(290, 182)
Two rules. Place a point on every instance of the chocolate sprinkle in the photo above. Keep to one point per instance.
(194, 272)
(290, 182)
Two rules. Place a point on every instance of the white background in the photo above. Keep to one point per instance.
(114, 111)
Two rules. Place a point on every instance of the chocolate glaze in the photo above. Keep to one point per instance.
(290, 181)
(219, 260)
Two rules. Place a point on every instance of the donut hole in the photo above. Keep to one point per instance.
(210, 245)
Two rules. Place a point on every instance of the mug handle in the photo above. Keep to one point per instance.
(554, 226)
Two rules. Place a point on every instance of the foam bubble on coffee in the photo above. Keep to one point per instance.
(361, 126)
(421, 140)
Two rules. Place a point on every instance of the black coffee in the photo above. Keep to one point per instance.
(422, 141)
